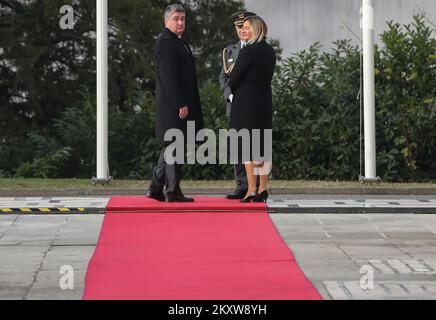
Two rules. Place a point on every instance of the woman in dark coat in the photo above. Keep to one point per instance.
(250, 83)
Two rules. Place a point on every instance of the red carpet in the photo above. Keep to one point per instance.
(193, 255)
(136, 203)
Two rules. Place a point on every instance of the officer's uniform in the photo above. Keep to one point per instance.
(229, 56)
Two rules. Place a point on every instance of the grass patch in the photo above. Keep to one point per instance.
(86, 184)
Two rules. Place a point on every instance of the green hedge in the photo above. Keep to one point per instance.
(317, 128)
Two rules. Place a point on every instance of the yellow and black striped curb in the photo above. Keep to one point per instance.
(52, 210)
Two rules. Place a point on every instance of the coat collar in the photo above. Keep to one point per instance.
(167, 32)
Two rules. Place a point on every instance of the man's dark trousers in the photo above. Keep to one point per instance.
(241, 177)
(168, 175)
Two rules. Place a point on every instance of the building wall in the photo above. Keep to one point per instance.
(300, 23)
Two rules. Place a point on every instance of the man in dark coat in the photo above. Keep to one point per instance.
(230, 55)
(177, 101)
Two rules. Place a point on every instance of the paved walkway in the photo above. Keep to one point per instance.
(336, 251)
(34, 248)
(276, 204)
(397, 249)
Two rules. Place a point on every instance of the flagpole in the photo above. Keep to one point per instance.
(102, 94)
(369, 91)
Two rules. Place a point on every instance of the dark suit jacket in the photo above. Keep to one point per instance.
(230, 54)
(250, 82)
(176, 85)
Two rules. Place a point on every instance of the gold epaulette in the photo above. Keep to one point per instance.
(227, 69)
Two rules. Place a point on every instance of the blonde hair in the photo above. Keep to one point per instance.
(259, 27)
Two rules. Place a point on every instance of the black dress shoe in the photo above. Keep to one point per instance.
(178, 198)
(159, 196)
(238, 194)
(250, 198)
(261, 197)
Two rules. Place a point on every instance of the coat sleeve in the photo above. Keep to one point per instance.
(167, 63)
(239, 71)
(224, 79)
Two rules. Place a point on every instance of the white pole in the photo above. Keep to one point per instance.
(102, 91)
(368, 89)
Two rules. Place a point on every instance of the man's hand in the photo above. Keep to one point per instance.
(183, 113)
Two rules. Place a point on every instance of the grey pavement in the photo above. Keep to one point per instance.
(34, 248)
(339, 253)
(336, 252)
(276, 203)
